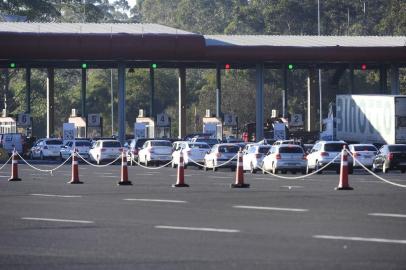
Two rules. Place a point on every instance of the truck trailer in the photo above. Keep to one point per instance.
(377, 119)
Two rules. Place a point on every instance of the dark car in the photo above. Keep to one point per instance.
(134, 146)
(390, 157)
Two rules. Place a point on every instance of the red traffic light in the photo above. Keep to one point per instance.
(227, 66)
(363, 66)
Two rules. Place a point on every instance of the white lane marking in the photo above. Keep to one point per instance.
(145, 174)
(5, 176)
(387, 215)
(290, 187)
(108, 176)
(58, 220)
(104, 173)
(155, 200)
(362, 239)
(58, 196)
(197, 229)
(270, 208)
(217, 177)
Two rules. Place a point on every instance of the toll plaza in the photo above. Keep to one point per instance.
(125, 46)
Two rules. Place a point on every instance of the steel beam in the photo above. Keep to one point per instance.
(311, 101)
(50, 102)
(259, 102)
(28, 90)
(121, 103)
(285, 93)
(83, 93)
(218, 91)
(383, 80)
(182, 103)
(395, 83)
(152, 92)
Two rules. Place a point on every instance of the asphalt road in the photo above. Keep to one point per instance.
(46, 223)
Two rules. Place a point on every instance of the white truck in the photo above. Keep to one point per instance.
(379, 119)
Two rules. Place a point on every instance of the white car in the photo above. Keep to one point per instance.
(46, 148)
(193, 152)
(82, 147)
(323, 152)
(220, 154)
(284, 158)
(105, 150)
(253, 156)
(155, 151)
(364, 153)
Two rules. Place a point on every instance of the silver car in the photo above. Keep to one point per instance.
(222, 153)
(284, 158)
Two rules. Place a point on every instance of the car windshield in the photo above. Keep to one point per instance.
(54, 142)
(161, 143)
(397, 148)
(111, 144)
(140, 143)
(334, 147)
(209, 141)
(199, 145)
(365, 148)
(290, 149)
(82, 143)
(263, 150)
(228, 149)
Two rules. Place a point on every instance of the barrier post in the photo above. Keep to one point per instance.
(14, 168)
(124, 171)
(343, 184)
(181, 173)
(75, 169)
(239, 175)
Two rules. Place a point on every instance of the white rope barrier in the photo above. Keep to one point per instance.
(374, 174)
(6, 163)
(41, 170)
(197, 163)
(302, 176)
(149, 168)
(99, 166)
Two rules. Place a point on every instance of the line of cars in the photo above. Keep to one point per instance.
(282, 156)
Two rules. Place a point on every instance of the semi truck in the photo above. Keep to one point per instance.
(377, 119)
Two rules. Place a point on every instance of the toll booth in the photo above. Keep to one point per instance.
(213, 126)
(24, 124)
(79, 122)
(144, 127)
(230, 125)
(163, 126)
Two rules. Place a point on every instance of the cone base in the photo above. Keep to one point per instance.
(180, 185)
(124, 183)
(344, 188)
(75, 182)
(240, 185)
(14, 179)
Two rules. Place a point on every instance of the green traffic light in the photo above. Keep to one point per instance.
(12, 65)
(84, 65)
(154, 66)
(290, 66)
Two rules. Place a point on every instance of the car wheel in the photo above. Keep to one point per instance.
(385, 169)
(304, 171)
(31, 156)
(374, 167)
(252, 169)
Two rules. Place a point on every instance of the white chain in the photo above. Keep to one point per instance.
(198, 164)
(149, 168)
(302, 176)
(6, 163)
(38, 169)
(374, 174)
(225, 163)
(99, 166)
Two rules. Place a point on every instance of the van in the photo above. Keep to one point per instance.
(9, 141)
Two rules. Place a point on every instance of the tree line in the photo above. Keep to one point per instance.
(239, 17)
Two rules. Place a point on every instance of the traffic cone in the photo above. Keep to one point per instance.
(124, 171)
(14, 168)
(343, 185)
(239, 176)
(181, 173)
(75, 169)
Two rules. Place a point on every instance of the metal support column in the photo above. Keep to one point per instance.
(50, 102)
(311, 101)
(285, 93)
(218, 91)
(152, 92)
(383, 80)
(121, 103)
(83, 93)
(182, 103)
(259, 102)
(394, 77)
(28, 90)
(351, 79)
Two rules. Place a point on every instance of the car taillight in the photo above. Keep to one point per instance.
(278, 156)
(103, 150)
(390, 156)
(324, 154)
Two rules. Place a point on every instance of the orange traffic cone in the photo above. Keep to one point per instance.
(343, 185)
(124, 171)
(239, 176)
(14, 168)
(75, 170)
(181, 173)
